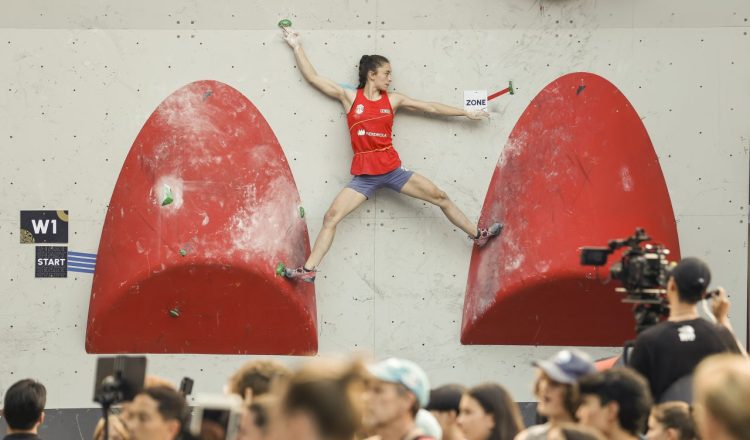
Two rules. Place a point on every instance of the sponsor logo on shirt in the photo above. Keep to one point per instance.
(362, 132)
(385, 110)
(360, 109)
(686, 333)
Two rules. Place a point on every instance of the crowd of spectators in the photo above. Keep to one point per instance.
(687, 378)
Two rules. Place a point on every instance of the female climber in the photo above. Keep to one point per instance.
(376, 164)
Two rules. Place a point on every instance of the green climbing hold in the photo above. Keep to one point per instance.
(285, 23)
(301, 212)
(183, 252)
(168, 196)
(510, 88)
(174, 313)
(280, 269)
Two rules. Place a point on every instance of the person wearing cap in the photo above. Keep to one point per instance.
(444, 405)
(670, 350)
(557, 399)
(397, 390)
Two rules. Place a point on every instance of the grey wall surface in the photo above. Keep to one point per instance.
(78, 79)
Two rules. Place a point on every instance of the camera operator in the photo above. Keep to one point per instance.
(670, 350)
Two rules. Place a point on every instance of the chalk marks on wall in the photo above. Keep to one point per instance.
(578, 169)
(204, 207)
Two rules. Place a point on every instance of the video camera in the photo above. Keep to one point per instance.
(643, 272)
(118, 379)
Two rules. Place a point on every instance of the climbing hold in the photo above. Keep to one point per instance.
(183, 252)
(280, 269)
(508, 89)
(168, 196)
(301, 212)
(285, 23)
(26, 236)
(174, 313)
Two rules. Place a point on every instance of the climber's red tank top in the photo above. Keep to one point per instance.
(370, 126)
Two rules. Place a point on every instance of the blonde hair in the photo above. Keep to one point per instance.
(258, 375)
(722, 387)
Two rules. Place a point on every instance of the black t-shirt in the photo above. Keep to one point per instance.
(670, 350)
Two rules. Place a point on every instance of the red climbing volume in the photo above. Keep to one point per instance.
(203, 209)
(578, 170)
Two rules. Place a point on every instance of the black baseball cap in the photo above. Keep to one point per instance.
(692, 277)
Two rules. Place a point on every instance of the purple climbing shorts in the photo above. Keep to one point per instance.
(367, 184)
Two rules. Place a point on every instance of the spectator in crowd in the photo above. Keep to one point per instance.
(671, 349)
(722, 398)
(671, 421)
(556, 392)
(255, 378)
(255, 423)
(444, 405)
(616, 402)
(322, 401)
(23, 409)
(572, 431)
(487, 412)
(397, 390)
(157, 413)
(117, 429)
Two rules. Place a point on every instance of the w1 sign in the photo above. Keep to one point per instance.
(44, 226)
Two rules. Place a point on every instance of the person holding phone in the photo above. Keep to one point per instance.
(670, 351)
